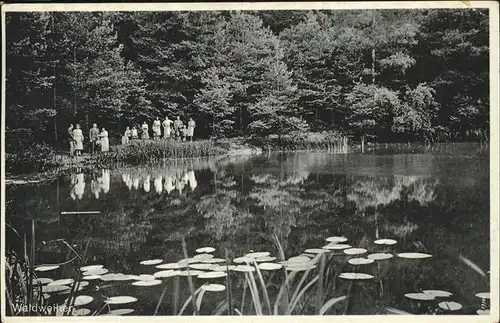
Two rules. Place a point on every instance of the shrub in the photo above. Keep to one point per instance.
(35, 158)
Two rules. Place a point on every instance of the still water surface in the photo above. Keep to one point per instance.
(432, 200)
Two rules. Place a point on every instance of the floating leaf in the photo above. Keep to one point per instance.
(413, 255)
(388, 242)
(224, 268)
(269, 266)
(65, 281)
(241, 260)
(121, 311)
(213, 274)
(355, 276)
(483, 312)
(437, 293)
(330, 303)
(265, 259)
(118, 277)
(354, 251)
(299, 259)
(203, 266)
(146, 277)
(120, 300)
(92, 277)
(360, 261)
(83, 300)
(174, 265)
(213, 287)
(146, 283)
(420, 296)
(151, 262)
(42, 281)
(380, 256)
(97, 271)
(54, 288)
(337, 246)
(46, 268)
(81, 312)
(205, 249)
(450, 306)
(166, 273)
(484, 295)
(299, 266)
(243, 268)
(91, 267)
(187, 261)
(336, 239)
(308, 255)
(212, 260)
(190, 272)
(203, 256)
(316, 250)
(396, 311)
(258, 254)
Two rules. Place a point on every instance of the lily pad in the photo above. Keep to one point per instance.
(46, 268)
(203, 266)
(120, 300)
(420, 296)
(355, 276)
(151, 262)
(484, 295)
(205, 249)
(380, 256)
(118, 277)
(174, 265)
(450, 306)
(97, 271)
(258, 254)
(316, 250)
(336, 239)
(83, 300)
(65, 281)
(355, 251)
(146, 277)
(166, 273)
(190, 272)
(413, 255)
(91, 267)
(42, 281)
(212, 260)
(224, 268)
(146, 283)
(337, 246)
(299, 259)
(243, 268)
(437, 293)
(213, 274)
(269, 266)
(203, 256)
(299, 266)
(483, 312)
(92, 277)
(213, 287)
(187, 261)
(121, 311)
(54, 288)
(241, 260)
(360, 261)
(388, 242)
(81, 312)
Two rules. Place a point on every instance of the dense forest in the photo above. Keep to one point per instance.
(387, 75)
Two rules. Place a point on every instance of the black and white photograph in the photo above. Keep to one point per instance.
(330, 159)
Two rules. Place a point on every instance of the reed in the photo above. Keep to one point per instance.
(328, 140)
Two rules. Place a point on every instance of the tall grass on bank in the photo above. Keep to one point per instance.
(332, 141)
(141, 152)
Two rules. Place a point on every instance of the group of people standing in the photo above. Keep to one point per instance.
(175, 129)
(96, 137)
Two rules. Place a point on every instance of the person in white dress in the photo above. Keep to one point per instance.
(190, 129)
(145, 131)
(156, 129)
(167, 130)
(78, 137)
(104, 140)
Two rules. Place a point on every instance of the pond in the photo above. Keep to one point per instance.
(429, 200)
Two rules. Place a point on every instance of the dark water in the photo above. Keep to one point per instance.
(432, 200)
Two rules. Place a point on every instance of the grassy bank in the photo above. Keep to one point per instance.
(327, 140)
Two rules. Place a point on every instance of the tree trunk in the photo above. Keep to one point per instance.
(373, 65)
(363, 143)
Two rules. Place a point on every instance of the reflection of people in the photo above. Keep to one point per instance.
(190, 129)
(146, 184)
(179, 185)
(127, 180)
(169, 185)
(95, 187)
(105, 180)
(192, 180)
(158, 184)
(166, 127)
(80, 185)
(104, 140)
(136, 183)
